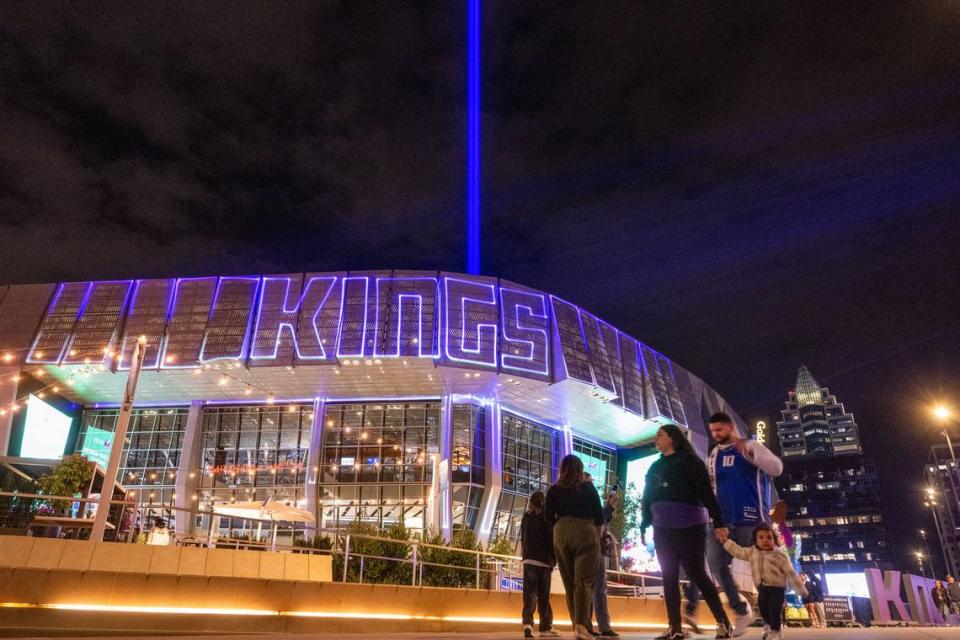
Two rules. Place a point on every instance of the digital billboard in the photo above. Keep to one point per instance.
(643, 558)
(45, 430)
(848, 584)
(597, 469)
(96, 445)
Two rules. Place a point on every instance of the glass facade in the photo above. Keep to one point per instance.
(377, 463)
(254, 453)
(468, 465)
(151, 455)
(529, 465)
(600, 462)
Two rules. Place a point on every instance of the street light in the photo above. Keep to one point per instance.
(926, 548)
(923, 571)
(943, 414)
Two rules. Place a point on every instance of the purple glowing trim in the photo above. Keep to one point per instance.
(568, 438)
(245, 341)
(506, 338)
(612, 359)
(463, 323)
(556, 426)
(435, 349)
(66, 343)
(104, 359)
(296, 310)
(122, 365)
(257, 402)
(384, 399)
(170, 314)
(53, 305)
(343, 310)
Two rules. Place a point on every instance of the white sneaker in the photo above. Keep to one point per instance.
(580, 632)
(743, 622)
(550, 633)
(527, 631)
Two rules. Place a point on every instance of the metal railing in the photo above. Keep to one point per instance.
(357, 557)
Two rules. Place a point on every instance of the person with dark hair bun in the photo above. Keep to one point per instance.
(573, 507)
(679, 502)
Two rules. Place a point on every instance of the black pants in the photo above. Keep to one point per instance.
(686, 548)
(536, 595)
(770, 601)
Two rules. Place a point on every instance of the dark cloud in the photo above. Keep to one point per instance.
(743, 185)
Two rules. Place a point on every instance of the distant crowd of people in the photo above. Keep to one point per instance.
(701, 514)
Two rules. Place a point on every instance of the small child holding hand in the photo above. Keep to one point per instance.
(771, 570)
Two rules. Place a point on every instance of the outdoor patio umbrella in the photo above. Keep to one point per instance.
(268, 510)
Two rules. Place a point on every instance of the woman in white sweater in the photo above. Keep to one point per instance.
(771, 570)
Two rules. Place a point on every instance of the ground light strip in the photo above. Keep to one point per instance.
(116, 608)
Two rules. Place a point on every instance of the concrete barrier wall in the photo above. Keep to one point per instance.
(48, 584)
(79, 555)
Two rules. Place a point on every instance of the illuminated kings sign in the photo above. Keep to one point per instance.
(321, 319)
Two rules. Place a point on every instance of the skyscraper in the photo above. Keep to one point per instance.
(943, 487)
(830, 486)
(813, 422)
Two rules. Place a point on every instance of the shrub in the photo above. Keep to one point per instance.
(449, 575)
(376, 570)
(66, 478)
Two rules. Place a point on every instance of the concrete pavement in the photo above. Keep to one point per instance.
(873, 633)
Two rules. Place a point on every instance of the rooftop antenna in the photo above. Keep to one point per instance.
(473, 137)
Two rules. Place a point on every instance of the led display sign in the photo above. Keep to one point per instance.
(45, 430)
(326, 318)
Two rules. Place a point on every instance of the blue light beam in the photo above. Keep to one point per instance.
(473, 137)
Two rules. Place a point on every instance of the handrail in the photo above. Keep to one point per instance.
(342, 537)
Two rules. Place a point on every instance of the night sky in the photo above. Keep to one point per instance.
(745, 187)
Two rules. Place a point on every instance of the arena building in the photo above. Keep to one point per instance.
(437, 399)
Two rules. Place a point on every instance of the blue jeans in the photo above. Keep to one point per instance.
(600, 609)
(719, 561)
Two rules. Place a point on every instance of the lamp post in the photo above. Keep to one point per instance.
(119, 437)
(923, 570)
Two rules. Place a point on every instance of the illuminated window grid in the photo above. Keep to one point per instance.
(151, 451)
(609, 456)
(529, 465)
(255, 452)
(377, 462)
(467, 460)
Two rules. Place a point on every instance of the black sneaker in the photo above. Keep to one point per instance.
(527, 631)
(724, 630)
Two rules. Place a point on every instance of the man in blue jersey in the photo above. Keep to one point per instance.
(740, 472)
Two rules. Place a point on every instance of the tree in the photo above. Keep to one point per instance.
(67, 478)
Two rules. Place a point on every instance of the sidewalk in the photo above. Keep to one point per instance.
(906, 633)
